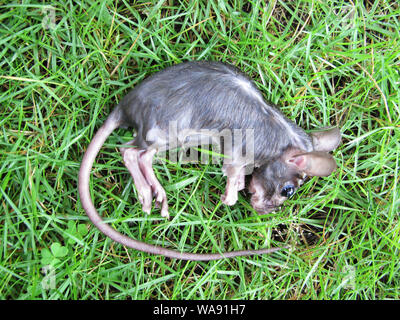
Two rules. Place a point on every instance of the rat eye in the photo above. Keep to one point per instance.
(287, 191)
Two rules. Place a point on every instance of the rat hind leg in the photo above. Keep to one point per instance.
(130, 156)
(146, 166)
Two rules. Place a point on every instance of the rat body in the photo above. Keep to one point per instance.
(204, 99)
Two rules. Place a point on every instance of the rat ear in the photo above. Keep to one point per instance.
(315, 163)
(326, 140)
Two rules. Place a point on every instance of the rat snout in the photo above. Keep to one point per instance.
(266, 210)
(262, 206)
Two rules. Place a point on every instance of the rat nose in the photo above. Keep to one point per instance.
(269, 206)
(266, 210)
(262, 206)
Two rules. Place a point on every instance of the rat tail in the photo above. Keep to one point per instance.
(112, 123)
(88, 159)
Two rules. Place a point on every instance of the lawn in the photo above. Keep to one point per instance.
(64, 67)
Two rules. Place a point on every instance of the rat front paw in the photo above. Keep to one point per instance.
(229, 199)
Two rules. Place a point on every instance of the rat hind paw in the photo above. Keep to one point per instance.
(143, 188)
(145, 163)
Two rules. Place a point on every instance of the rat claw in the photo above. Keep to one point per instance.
(145, 198)
(229, 200)
(161, 202)
(161, 197)
(164, 211)
(165, 215)
(146, 210)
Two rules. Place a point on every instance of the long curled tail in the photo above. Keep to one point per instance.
(83, 185)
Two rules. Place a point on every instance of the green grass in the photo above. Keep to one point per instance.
(320, 62)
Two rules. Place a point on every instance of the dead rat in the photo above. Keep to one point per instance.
(212, 100)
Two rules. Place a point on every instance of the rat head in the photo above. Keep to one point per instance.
(279, 179)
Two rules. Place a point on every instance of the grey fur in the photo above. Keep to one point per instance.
(207, 95)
